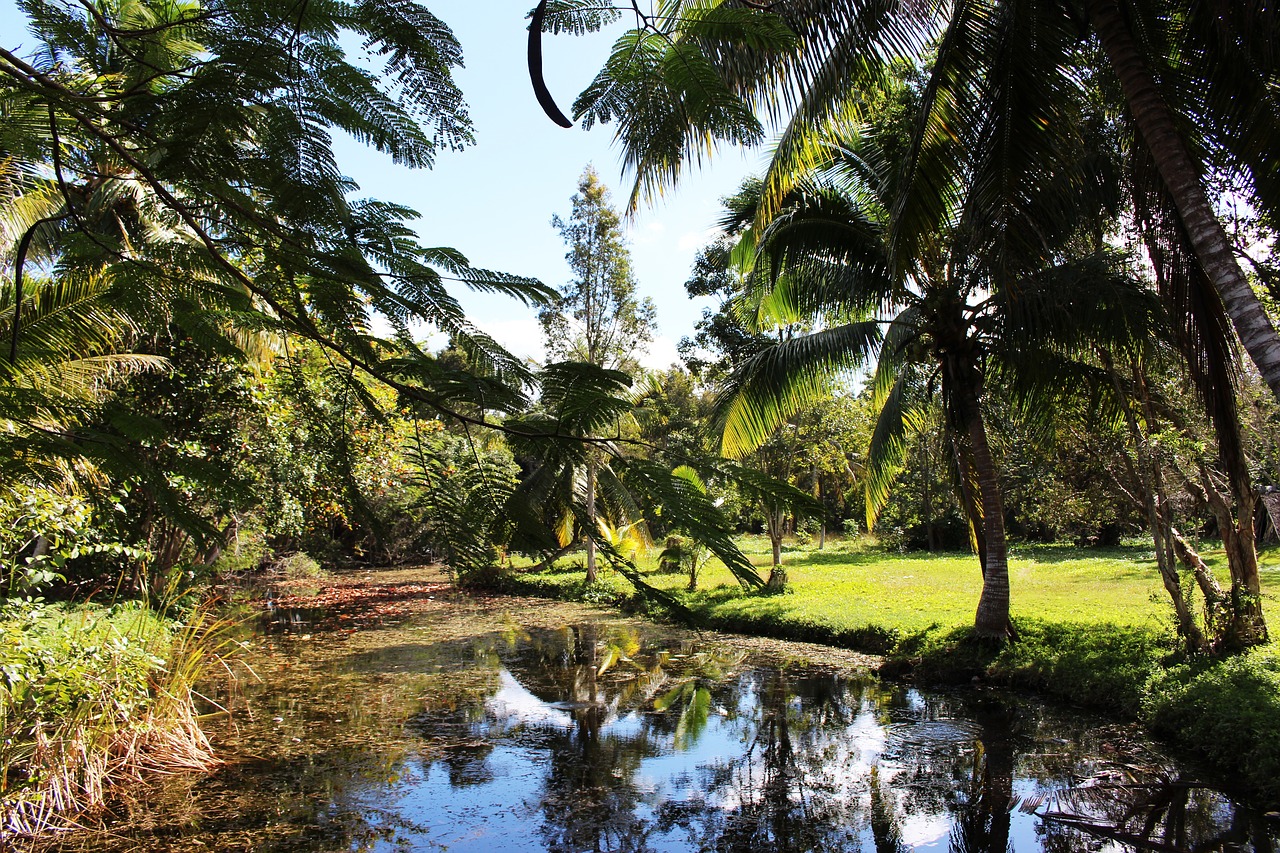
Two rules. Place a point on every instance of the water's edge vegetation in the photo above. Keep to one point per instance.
(1222, 712)
(103, 696)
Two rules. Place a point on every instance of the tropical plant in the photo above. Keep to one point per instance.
(1195, 84)
(582, 406)
(939, 325)
(190, 146)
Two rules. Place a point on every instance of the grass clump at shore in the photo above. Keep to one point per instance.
(90, 695)
(1095, 630)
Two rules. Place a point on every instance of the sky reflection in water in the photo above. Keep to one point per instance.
(624, 737)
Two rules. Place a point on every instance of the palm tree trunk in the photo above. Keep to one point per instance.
(992, 619)
(972, 509)
(1155, 121)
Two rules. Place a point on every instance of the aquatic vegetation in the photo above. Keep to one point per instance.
(90, 696)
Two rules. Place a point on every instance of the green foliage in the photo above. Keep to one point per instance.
(1226, 713)
(47, 537)
(87, 694)
(463, 488)
(657, 83)
(52, 658)
(1096, 664)
(298, 566)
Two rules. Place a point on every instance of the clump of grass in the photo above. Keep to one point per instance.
(90, 696)
(299, 566)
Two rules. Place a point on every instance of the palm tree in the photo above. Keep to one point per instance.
(74, 346)
(938, 323)
(1196, 88)
(577, 429)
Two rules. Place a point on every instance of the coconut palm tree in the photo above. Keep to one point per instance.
(74, 347)
(1195, 84)
(939, 324)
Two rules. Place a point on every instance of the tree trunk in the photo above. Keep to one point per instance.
(592, 527)
(970, 500)
(1155, 122)
(992, 619)
(1150, 493)
(777, 574)
(1247, 625)
(930, 534)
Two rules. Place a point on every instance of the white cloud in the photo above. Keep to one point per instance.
(691, 240)
(661, 355)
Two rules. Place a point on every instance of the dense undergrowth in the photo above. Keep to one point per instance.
(89, 696)
(1123, 661)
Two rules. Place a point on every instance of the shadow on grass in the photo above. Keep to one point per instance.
(560, 567)
(1061, 553)
(871, 558)
(770, 615)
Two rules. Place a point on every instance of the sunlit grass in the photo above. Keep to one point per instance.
(852, 585)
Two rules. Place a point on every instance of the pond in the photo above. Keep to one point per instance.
(504, 724)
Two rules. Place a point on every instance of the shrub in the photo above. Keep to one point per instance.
(89, 695)
(1227, 712)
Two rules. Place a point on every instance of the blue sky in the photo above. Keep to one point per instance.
(494, 201)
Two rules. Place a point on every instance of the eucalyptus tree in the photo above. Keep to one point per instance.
(597, 317)
(936, 325)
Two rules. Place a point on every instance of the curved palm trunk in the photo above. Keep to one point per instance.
(1213, 248)
(992, 619)
(972, 510)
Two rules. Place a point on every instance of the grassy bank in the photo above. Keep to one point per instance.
(1095, 631)
(88, 696)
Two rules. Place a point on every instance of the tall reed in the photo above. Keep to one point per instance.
(90, 697)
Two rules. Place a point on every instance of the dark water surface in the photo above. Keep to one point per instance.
(508, 725)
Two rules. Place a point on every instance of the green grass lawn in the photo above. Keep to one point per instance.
(851, 585)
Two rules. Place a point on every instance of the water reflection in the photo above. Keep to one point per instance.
(610, 736)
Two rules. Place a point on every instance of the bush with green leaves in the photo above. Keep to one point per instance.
(87, 694)
(1226, 712)
(47, 535)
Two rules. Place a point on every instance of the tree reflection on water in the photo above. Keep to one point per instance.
(612, 736)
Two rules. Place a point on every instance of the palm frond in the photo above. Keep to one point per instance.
(771, 386)
(900, 417)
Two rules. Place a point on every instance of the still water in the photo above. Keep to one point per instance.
(509, 725)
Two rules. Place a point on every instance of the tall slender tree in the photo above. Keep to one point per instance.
(597, 318)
